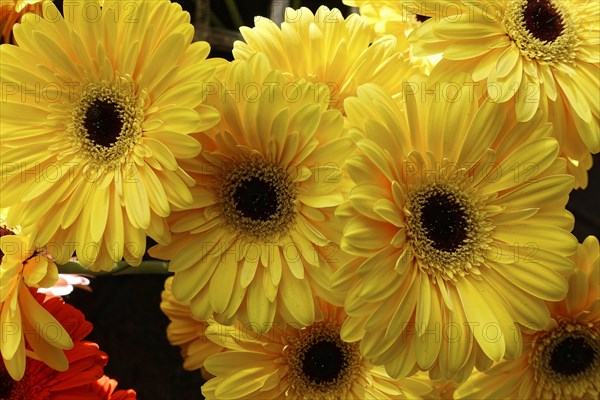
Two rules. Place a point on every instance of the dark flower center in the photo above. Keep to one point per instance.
(323, 362)
(107, 124)
(421, 18)
(322, 366)
(11, 389)
(103, 122)
(445, 222)
(572, 356)
(542, 20)
(256, 199)
(6, 384)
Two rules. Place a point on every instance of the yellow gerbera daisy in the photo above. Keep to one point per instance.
(11, 12)
(260, 236)
(307, 363)
(458, 229)
(535, 52)
(28, 330)
(391, 18)
(187, 332)
(325, 48)
(94, 166)
(562, 362)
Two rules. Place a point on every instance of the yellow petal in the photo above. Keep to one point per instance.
(530, 161)
(249, 269)
(199, 247)
(405, 308)
(528, 237)
(156, 192)
(483, 131)
(537, 193)
(297, 297)
(423, 304)
(38, 317)
(353, 329)
(222, 281)
(535, 279)
(458, 342)
(187, 283)
(527, 99)
(136, 199)
(507, 61)
(162, 61)
(52, 356)
(16, 365)
(100, 204)
(220, 364)
(35, 269)
(480, 315)
(428, 341)
(260, 310)
(12, 331)
(241, 383)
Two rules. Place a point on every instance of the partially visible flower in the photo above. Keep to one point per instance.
(25, 323)
(85, 361)
(527, 54)
(99, 154)
(327, 49)
(260, 238)
(457, 220)
(65, 285)
(289, 362)
(391, 18)
(11, 12)
(562, 362)
(105, 389)
(186, 331)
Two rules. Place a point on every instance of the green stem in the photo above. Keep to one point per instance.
(121, 268)
(216, 21)
(234, 13)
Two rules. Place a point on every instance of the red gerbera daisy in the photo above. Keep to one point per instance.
(86, 363)
(105, 387)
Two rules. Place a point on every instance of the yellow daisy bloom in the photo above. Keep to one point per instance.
(532, 52)
(562, 362)
(11, 12)
(260, 236)
(325, 48)
(28, 330)
(292, 363)
(391, 18)
(187, 332)
(459, 231)
(94, 167)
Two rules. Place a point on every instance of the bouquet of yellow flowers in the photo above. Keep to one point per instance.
(361, 206)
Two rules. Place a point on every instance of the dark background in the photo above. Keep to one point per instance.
(128, 323)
